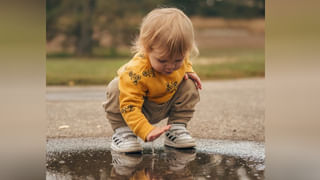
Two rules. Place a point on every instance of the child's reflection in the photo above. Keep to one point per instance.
(130, 166)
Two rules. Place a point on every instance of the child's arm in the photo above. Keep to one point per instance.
(132, 91)
(192, 75)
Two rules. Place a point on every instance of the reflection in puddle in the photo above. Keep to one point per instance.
(167, 163)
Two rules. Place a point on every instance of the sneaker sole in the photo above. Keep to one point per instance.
(185, 145)
(127, 150)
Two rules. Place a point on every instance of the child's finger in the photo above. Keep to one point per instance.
(164, 129)
(155, 137)
(186, 76)
(198, 82)
(158, 133)
(199, 85)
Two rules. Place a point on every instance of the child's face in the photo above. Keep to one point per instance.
(164, 65)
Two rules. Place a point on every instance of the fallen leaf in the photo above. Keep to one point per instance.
(64, 127)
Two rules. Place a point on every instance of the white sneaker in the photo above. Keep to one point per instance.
(123, 140)
(179, 137)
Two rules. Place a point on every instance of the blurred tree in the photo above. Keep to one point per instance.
(53, 10)
(84, 41)
(73, 19)
(121, 19)
(220, 8)
(77, 21)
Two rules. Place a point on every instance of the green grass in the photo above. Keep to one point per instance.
(73, 71)
(242, 63)
(76, 71)
(231, 70)
(233, 52)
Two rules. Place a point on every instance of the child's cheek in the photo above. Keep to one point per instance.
(178, 66)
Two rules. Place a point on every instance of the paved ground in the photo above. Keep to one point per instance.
(228, 110)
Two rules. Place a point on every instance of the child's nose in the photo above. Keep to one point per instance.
(170, 66)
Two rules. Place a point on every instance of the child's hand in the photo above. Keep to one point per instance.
(195, 79)
(156, 132)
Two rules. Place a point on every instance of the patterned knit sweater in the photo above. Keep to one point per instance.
(137, 81)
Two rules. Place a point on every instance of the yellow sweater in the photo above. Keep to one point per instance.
(137, 80)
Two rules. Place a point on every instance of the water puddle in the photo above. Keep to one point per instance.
(165, 163)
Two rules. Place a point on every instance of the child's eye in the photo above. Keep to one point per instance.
(162, 61)
(179, 60)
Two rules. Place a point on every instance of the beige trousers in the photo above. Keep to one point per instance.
(179, 109)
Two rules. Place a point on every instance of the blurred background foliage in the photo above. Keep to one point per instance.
(87, 40)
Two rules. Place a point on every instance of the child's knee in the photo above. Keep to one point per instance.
(113, 89)
(112, 97)
(189, 87)
(186, 97)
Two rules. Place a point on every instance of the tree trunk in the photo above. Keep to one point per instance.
(85, 42)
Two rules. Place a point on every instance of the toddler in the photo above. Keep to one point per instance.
(158, 82)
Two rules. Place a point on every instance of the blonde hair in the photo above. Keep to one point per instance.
(168, 29)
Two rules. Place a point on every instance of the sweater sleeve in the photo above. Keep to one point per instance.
(131, 99)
